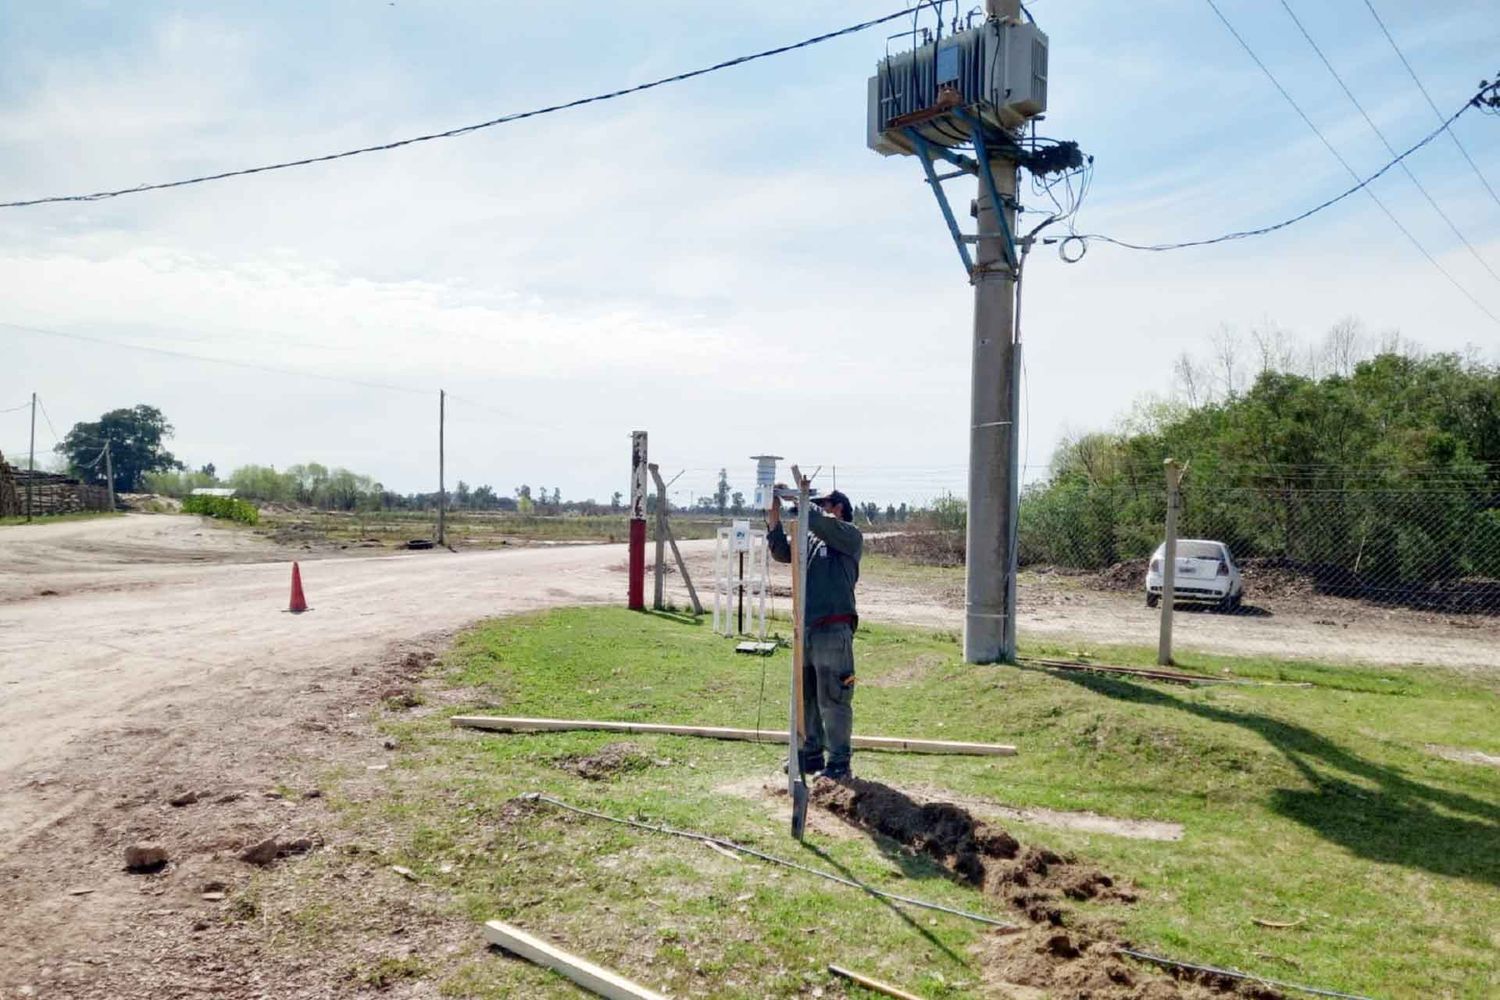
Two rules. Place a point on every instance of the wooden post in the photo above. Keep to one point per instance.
(31, 462)
(682, 568)
(1169, 563)
(109, 474)
(664, 533)
(796, 780)
(442, 491)
(596, 980)
(658, 597)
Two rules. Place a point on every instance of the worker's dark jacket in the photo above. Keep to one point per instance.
(833, 551)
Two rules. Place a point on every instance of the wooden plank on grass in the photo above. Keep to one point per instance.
(513, 724)
(586, 974)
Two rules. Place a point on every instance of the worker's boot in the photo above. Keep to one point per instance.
(812, 763)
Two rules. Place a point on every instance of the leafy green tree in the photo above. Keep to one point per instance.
(721, 493)
(135, 439)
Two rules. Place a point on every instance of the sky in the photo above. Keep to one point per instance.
(721, 262)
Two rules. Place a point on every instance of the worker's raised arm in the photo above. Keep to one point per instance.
(842, 536)
(781, 549)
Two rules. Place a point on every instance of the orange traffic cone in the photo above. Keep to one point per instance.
(299, 602)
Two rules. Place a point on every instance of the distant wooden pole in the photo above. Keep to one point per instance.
(31, 462)
(109, 474)
(442, 491)
(1169, 563)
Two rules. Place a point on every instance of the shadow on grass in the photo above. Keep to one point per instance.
(680, 617)
(1397, 822)
(889, 904)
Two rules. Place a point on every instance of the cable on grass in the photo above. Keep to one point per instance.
(761, 855)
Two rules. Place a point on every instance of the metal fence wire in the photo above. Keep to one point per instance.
(1428, 543)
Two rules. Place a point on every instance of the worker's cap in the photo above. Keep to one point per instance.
(836, 496)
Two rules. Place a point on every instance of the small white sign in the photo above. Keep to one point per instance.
(740, 536)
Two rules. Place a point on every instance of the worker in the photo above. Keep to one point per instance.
(832, 549)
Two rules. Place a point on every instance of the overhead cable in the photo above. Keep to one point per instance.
(1263, 230)
(1386, 142)
(1345, 163)
(210, 360)
(1430, 103)
(47, 418)
(463, 129)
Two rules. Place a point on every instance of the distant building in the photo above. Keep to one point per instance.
(213, 491)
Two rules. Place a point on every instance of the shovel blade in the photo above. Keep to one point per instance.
(799, 808)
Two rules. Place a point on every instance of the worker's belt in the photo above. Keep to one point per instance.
(851, 620)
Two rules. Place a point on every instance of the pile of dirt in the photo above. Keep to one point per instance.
(1122, 576)
(926, 548)
(1058, 952)
(1034, 880)
(610, 761)
(150, 503)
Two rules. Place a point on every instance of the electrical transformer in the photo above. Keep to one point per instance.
(997, 71)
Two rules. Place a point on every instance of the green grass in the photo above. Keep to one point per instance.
(1317, 804)
(82, 515)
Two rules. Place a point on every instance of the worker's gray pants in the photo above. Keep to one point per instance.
(828, 695)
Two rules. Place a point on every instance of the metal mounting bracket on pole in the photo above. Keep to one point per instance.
(925, 154)
(987, 178)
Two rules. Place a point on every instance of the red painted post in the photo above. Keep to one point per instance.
(637, 601)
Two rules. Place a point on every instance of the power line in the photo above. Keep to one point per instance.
(1381, 135)
(1263, 230)
(1345, 163)
(47, 418)
(13, 409)
(1430, 103)
(465, 129)
(216, 361)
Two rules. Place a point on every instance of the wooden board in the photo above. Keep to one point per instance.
(586, 974)
(515, 724)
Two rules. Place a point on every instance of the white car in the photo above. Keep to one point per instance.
(1205, 572)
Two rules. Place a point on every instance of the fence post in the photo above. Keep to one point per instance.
(1169, 563)
(658, 600)
(636, 597)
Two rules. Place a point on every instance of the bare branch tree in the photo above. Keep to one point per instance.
(1226, 353)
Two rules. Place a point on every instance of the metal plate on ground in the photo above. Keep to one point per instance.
(756, 648)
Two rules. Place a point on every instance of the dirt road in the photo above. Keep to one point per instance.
(110, 623)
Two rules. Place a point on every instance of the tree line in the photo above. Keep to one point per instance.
(1380, 463)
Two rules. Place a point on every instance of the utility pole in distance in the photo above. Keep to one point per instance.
(109, 474)
(442, 490)
(31, 462)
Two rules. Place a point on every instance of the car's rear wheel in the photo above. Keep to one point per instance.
(1152, 600)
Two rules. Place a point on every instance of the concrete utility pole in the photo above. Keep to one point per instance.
(994, 479)
(442, 491)
(31, 462)
(1169, 563)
